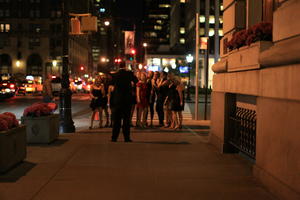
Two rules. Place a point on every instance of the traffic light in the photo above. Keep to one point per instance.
(81, 68)
(132, 54)
(132, 51)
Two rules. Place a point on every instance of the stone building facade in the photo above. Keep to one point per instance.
(256, 95)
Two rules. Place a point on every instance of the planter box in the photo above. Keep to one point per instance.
(41, 129)
(247, 58)
(12, 147)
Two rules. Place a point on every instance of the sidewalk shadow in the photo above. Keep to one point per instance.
(163, 142)
(57, 142)
(18, 171)
(196, 127)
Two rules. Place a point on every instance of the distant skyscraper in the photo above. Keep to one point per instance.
(156, 30)
(31, 38)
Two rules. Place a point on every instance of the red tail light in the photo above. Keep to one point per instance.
(12, 86)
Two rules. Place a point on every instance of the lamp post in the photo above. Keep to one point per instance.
(189, 60)
(66, 124)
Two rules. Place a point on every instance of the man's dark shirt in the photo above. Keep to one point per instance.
(122, 82)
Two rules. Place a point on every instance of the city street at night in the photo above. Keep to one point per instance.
(149, 99)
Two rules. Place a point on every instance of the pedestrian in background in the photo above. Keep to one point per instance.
(47, 90)
(122, 82)
(97, 93)
(162, 90)
(153, 94)
(142, 101)
(176, 102)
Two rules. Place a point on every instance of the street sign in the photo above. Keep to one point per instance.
(203, 43)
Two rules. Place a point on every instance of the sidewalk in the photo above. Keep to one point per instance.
(159, 165)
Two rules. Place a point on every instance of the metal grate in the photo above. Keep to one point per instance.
(243, 129)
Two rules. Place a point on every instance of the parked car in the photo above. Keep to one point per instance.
(56, 85)
(21, 87)
(7, 89)
(33, 87)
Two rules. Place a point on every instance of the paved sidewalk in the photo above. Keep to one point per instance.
(159, 165)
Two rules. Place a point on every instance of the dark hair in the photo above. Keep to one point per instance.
(122, 65)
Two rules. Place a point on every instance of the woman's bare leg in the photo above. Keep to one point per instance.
(180, 118)
(92, 119)
(145, 113)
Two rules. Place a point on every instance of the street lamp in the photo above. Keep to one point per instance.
(106, 23)
(145, 45)
(189, 60)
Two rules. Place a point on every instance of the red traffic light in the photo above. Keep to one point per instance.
(81, 68)
(132, 51)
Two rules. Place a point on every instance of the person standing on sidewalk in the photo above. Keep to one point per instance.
(47, 90)
(162, 90)
(142, 101)
(122, 102)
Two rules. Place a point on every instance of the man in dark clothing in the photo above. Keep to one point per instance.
(122, 101)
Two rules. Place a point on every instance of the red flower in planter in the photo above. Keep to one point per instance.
(13, 118)
(8, 119)
(3, 125)
(37, 110)
(258, 32)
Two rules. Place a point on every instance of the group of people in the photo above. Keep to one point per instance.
(125, 91)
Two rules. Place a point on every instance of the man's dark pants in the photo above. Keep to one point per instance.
(160, 110)
(119, 113)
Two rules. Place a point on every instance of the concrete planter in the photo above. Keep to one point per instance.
(12, 147)
(41, 129)
(246, 58)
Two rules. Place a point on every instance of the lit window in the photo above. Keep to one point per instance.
(182, 30)
(159, 21)
(211, 19)
(157, 27)
(221, 7)
(158, 16)
(202, 31)
(98, 1)
(221, 19)
(7, 28)
(182, 41)
(182, 1)
(202, 18)
(211, 32)
(153, 34)
(164, 5)
(221, 32)
(2, 27)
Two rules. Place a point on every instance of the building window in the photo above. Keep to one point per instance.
(157, 28)
(202, 31)
(202, 19)
(211, 19)
(211, 32)
(4, 28)
(158, 16)
(182, 1)
(221, 32)
(1, 13)
(7, 13)
(164, 5)
(33, 42)
(182, 41)
(182, 30)
(159, 21)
